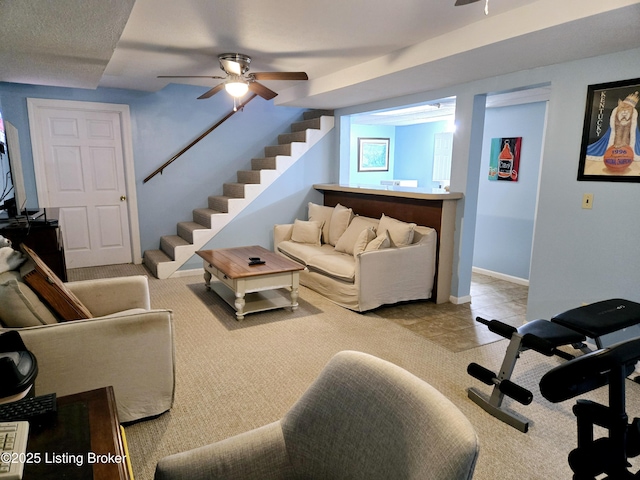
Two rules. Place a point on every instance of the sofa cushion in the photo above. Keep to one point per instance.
(337, 265)
(306, 232)
(340, 220)
(348, 239)
(322, 214)
(19, 305)
(378, 243)
(400, 233)
(302, 252)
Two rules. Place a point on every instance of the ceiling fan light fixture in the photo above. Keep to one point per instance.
(236, 86)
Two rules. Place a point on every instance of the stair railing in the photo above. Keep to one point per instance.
(177, 155)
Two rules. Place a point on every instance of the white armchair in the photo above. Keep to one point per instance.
(126, 345)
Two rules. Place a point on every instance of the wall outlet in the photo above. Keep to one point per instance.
(587, 201)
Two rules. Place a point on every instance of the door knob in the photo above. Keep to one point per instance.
(123, 198)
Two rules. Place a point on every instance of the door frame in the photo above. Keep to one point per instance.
(33, 104)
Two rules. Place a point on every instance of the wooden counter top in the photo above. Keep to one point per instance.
(391, 191)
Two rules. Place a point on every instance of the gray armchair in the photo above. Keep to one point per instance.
(363, 418)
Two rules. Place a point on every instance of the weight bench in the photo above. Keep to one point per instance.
(609, 366)
(604, 322)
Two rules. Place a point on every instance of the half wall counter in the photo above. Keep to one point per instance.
(432, 208)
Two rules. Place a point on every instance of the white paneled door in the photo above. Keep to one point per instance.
(80, 169)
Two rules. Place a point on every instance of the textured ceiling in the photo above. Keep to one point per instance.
(61, 43)
(354, 51)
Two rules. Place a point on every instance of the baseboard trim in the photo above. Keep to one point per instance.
(501, 276)
(460, 300)
(188, 273)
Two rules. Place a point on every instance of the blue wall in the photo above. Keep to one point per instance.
(162, 124)
(414, 152)
(506, 210)
(410, 157)
(577, 255)
(370, 131)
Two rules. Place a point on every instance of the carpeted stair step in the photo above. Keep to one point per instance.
(186, 229)
(233, 190)
(203, 216)
(309, 114)
(249, 176)
(154, 257)
(274, 150)
(265, 163)
(221, 209)
(292, 137)
(219, 203)
(314, 123)
(168, 244)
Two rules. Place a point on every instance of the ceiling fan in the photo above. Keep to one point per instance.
(237, 81)
(467, 2)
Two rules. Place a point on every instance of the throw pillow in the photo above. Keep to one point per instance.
(380, 242)
(363, 240)
(340, 219)
(322, 214)
(348, 239)
(400, 233)
(19, 305)
(306, 232)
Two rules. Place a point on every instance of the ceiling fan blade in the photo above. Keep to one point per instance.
(261, 90)
(279, 76)
(465, 2)
(231, 66)
(188, 76)
(212, 92)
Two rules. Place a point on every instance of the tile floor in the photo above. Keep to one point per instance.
(454, 326)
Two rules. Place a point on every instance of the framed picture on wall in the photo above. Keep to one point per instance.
(610, 149)
(504, 160)
(373, 154)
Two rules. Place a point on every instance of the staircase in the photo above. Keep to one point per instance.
(176, 250)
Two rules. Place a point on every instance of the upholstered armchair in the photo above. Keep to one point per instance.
(126, 344)
(363, 418)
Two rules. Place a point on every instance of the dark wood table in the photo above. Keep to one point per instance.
(82, 442)
(252, 288)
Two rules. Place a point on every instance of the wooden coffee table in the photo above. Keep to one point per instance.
(252, 288)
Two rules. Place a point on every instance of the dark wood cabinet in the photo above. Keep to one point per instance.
(83, 441)
(44, 238)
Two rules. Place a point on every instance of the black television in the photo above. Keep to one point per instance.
(12, 193)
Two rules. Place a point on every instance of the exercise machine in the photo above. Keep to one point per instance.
(605, 323)
(608, 454)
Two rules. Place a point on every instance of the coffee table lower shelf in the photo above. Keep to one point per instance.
(255, 301)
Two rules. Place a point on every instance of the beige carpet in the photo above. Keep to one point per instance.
(232, 377)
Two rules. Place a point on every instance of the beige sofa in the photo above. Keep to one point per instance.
(126, 345)
(359, 262)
